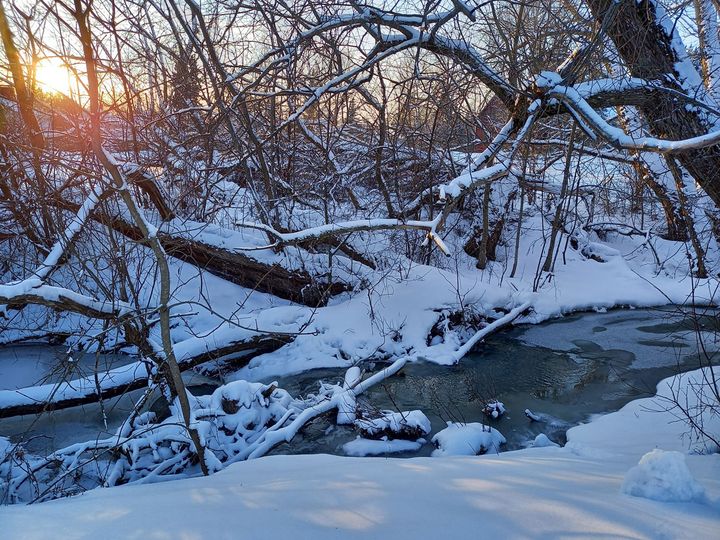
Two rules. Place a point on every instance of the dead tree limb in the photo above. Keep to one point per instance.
(118, 381)
(233, 266)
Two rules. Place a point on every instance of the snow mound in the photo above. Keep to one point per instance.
(408, 425)
(459, 439)
(369, 447)
(542, 441)
(662, 476)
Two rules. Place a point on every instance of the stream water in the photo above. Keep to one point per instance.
(568, 370)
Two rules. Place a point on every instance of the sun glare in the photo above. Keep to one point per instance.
(53, 76)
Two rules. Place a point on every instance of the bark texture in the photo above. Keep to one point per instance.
(647, 50)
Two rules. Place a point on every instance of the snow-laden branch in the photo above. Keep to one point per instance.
(484, 332)
(333, 229)
(473, 179)
(466, 54)
(595, 87)
(34, 291)
(409, 30)
(550, 83)
(272, 437)
(66, 238)
(132, 376)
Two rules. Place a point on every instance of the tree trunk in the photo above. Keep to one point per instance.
(482, 255)
(558, 217)
(650, 52)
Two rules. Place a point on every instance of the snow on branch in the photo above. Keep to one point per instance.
(409, 30)
(473, 179)
(574, 101)
(72, 230)
(333, 229)
(272, 437)
(490, 328)
(117, 381)
(33, 291)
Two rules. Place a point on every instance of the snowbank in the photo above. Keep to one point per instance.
(649, 423)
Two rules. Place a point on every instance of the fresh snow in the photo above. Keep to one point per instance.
(542, 440)
(371, 447)
(467, 439)
(663, 476)
(570, 492)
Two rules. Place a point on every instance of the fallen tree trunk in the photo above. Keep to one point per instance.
(233, 266)
(296, 286)
(118, 381)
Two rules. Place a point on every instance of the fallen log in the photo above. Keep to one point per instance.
(236, 267)
(118, 381)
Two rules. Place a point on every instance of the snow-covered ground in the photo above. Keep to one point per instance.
(583, 489)
(579, 491)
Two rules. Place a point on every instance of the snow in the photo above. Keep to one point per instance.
(360, 327)
(347, 405)
(401, 425)
(542, 441)
(393, 317)
(494, 409)
(548, 79)
(545, 492)
(663, 476)
(467, 439)
(72, 230)
(371, 447)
